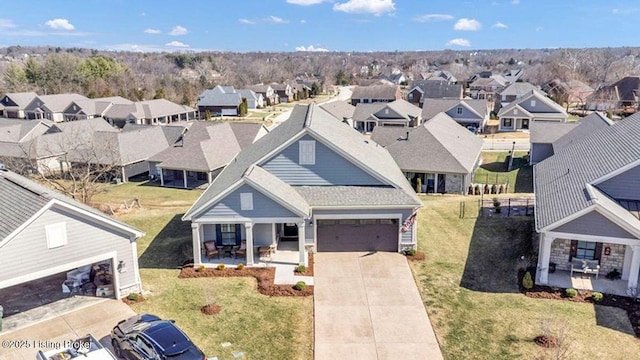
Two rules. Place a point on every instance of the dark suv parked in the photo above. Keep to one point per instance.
(149, 337)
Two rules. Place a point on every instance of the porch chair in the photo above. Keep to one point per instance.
(210, 249)
(242, 250)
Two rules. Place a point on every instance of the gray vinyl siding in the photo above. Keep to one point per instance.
(391, 115)
(263, 207)
(208, 232)
(624, 186)
(540, 107)
(262, 234)
(28, 251)
(594, 224)
(309, 233)
(466, 116)
(540, 152)
(329, 168)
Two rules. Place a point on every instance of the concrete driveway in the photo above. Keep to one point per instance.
(367, 306)
(97, 319)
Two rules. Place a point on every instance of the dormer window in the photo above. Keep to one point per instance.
(460, 110)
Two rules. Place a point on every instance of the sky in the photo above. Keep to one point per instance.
(320, 25)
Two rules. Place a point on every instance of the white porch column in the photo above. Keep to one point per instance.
(184, 178)
(209, 177)
(274, 240)
(635, 267)
(301, 241)
(543, 258)
(161, 177)
(124, 176)
(195, 231)
(248, 228)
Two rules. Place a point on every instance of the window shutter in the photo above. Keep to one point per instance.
(218, 235)
(573, 250)
(238, 234)
(598, 252)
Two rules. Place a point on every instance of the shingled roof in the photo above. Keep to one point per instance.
(375, 92)
(561, 182)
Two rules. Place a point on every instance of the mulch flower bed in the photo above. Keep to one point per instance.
(309, 271)
(265, 277)
(630, 305)
(128, 301)
(419, 256)
(211, 309)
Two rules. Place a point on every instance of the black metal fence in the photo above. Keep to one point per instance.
(497, 207)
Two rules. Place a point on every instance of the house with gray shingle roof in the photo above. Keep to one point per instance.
(512, 93)
(312, 183)
(51, 107)
(149, 112)
(12, 105)
(92, 108)
(269, 95)
(470, 113)
(340, 110)
(200, 153)
(441, 153)
(533, 106)
(587, 204)
(421, 90)
(375, 93)
(60, 235)
(547, 138)
(225, 100)
(401, 113)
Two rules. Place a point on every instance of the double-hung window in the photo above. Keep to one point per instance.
(586, 250)
(228, 234)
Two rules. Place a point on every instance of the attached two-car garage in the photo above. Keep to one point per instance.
(357, 235)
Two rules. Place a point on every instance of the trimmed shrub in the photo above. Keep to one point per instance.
(527, 281)
(419, 185)
(200, 268)
(300, 285)
(470, 192)
(220, 267)
(133, 297)
(239, 266)
(597, 296)
(571, 292)
(301, 268)
(494, 189)
(409, 252)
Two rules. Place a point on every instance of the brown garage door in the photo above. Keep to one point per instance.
(358, 235)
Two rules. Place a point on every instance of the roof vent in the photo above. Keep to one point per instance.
(2, 167)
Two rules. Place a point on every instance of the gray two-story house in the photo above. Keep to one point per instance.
(314, 181)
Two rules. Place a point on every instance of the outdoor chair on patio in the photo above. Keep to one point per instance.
(242, 250)
(210, 249)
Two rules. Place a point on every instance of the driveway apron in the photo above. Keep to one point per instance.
(367, 306)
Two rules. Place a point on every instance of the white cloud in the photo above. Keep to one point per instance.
(375, 7)
(306, 2)
(152, 31)
(515, 2)
(276, 20)
(60, 24)
(176, 44)
(432, 17)
(459, 42)
(6, 24)
(247, 21)
(143, 14)
(311, 48)
(303, 21)
(178, 30)
(465, 24)
(499, 25)
(624, 11)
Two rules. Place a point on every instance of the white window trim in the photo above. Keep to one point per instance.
(246, 201)
(533, 103)
(307, 152)
(56, 235)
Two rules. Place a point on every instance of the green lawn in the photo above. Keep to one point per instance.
(261, 327)
(494, 171)
(469, 287)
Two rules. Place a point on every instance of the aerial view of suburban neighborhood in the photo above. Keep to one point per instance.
(320, 179)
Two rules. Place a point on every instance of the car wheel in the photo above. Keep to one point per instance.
(116, 348)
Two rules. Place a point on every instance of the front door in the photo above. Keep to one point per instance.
(289, 232)
(525, 124)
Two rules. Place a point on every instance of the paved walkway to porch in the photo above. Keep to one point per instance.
(367, 306)
(580, 281)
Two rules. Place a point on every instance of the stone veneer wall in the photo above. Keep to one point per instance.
(613, 261)
(453, 184)
(560, 251)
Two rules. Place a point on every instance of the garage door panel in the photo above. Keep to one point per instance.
(357, 235)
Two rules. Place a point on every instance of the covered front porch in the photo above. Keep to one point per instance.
(250, 243)
(612, 255)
